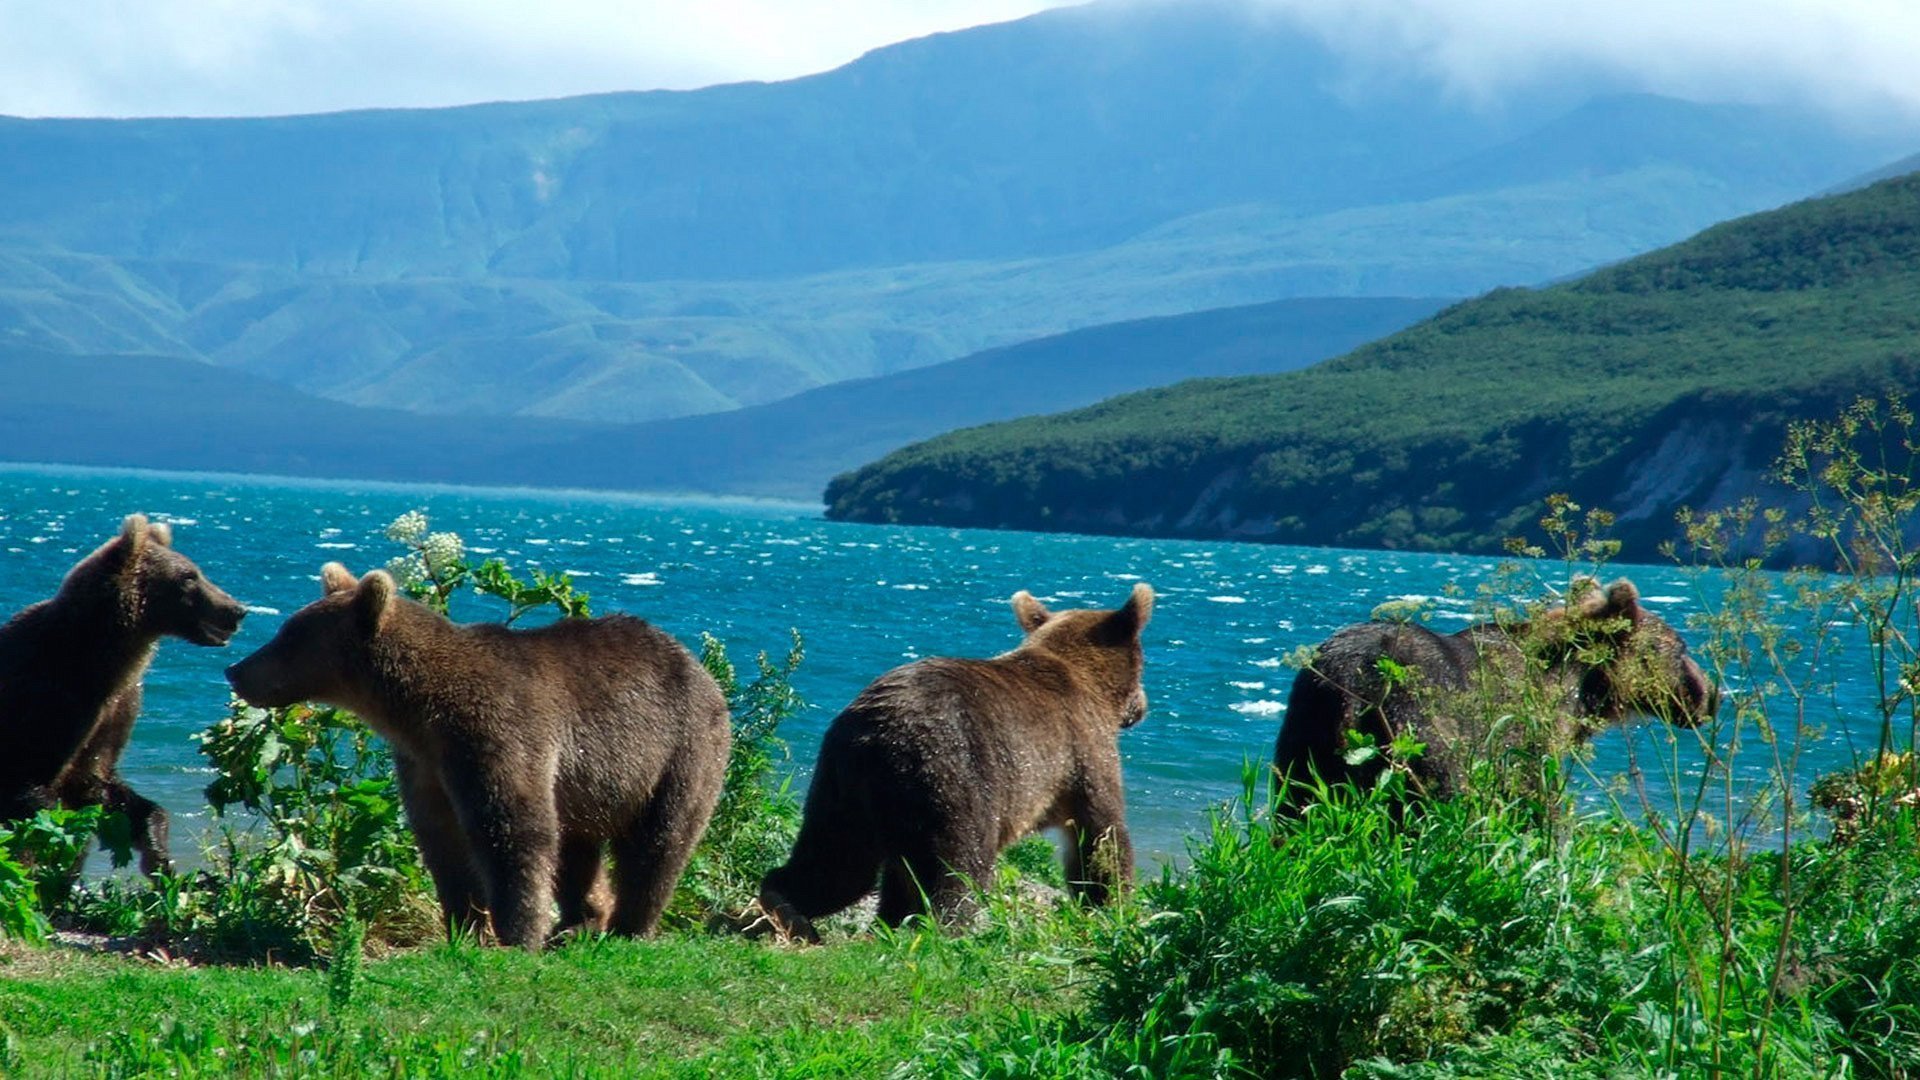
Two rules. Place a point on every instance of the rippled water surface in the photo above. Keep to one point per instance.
(866, 598)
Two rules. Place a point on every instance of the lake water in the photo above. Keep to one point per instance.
(866, 598)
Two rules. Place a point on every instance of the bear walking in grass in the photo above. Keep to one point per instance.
(1540, 687)
(939, 765)
(521, 753)
(70, 671)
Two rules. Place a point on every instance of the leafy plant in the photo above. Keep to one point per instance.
(39, 857)
(755, 822)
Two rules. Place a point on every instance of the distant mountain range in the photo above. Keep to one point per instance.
(1661, 382)
(634, 257)
(162, 412)
(791, 448)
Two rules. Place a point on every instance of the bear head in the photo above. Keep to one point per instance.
(153, 589)
(1637, 662)
(1102, 645)
(322, 652)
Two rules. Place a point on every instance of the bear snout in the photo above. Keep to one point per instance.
(247, 683)
(1699, 697)
(220, 623)
(1706, 696)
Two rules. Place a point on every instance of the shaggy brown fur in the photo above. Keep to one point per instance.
(939, 765)
(521, 753)
(70, 670)
(1542, 687)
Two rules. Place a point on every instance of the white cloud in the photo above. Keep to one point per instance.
(210, 57)
(1857, 56)
(254, 57)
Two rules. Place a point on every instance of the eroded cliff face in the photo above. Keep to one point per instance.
(1698, 453)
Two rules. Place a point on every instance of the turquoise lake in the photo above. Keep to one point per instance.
(866, 598)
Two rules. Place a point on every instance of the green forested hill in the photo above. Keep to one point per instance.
(1659, 382)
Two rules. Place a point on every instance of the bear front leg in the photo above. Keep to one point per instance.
(1099, 856)
(444, 849)
(149, 824)
(147, 820)
(507, 807)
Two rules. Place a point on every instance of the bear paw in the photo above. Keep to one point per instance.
(771, 916)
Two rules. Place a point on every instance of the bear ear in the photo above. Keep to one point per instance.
(1619, 600)
(1029, 611)
(374, 597)
(161, 533)
(1133, 615)
(336, 578)
(134, 530)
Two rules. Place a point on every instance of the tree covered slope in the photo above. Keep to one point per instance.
(1662, 381)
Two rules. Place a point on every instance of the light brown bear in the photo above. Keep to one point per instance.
(520, 753)
(70, 671)
(939, 765)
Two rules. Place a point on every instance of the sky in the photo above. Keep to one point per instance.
(263, 57)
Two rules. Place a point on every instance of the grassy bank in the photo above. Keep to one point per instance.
(1469, 941)
(685, 1005)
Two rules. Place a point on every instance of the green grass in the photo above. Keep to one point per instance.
(1447, 435)
(1472, 939)
(681, 1005)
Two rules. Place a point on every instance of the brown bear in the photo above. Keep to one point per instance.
(70, 671)
(939, 765)
(520, 753)
(1541, 687)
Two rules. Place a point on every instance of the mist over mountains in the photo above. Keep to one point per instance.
(638, 257)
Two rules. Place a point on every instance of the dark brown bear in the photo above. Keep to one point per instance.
(70, 670)
(1469, 696)
(520, 753)
(939, 765)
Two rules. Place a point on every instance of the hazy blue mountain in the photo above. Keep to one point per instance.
(162, 412)
(1888, 171)
(165, 412)
(791, 448)
(628, 257)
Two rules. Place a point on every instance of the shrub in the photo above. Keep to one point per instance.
(39, 857)
(755, 822)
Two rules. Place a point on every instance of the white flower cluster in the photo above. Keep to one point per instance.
(1403, 609)
(408, 569)
(408, 528)
(442, 550)
(1302, 657)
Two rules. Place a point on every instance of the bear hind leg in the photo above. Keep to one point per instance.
(653, 852)
(900, 894)
(822, 875)
(944, 881)
(581, 886)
